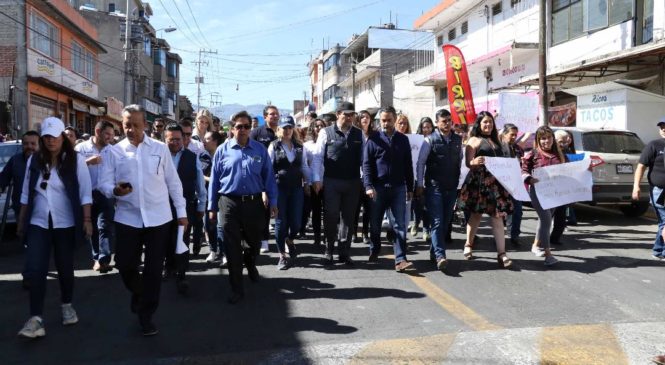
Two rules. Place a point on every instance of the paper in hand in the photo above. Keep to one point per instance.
(180, 246)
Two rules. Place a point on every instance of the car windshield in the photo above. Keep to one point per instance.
(7, 151)
(612, 142)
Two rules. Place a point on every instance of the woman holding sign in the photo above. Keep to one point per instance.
(545, 153)
(481, 193)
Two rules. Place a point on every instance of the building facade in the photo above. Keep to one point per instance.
(57, 73)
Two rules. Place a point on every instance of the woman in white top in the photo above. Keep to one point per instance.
(291, 170)
(315, 200)
(55, 213)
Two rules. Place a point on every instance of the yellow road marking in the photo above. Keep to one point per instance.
(453, 306)
(581, 344)
(419, 350)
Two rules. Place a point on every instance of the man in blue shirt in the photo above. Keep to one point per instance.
(241, 172)
(388, 180)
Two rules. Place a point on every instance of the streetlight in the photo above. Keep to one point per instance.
(167, 30)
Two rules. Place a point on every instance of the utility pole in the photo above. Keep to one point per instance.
(542, 63)
(199, 78)
(128, 81)
(353, 83)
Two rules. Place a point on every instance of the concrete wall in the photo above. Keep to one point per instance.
(414, 101)
(13, 52)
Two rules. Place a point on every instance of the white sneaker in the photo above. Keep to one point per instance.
(264, 247)
(223, 262)
(539, 252)
(33, 328)
(414, 230)
(425, 236)
(69, 315)
(212, 257)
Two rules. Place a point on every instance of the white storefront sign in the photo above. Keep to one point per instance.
(151, 107)
(602, 110)
(42, 66)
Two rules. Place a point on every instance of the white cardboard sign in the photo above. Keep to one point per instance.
(508, 173)
(563, 183)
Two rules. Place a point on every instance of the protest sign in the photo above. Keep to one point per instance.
(563, 183)
(416, 142)
(508, 173)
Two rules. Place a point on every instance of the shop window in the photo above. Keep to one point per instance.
(40, 109)
(44, 36)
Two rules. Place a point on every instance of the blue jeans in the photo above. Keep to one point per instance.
(515, 220)
(214, 235)
(102, 232)
(39, 242)
(393, 198)
(289, 216)
(658, 245)
(440, 205)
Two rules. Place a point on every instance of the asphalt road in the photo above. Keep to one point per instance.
(602, 304)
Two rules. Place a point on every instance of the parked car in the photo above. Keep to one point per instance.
(614, 155)
(7, 150)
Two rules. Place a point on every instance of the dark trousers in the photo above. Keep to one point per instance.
(316, 201)
(341, 197)
(39, 242)
(152, 241)
(365, 203)
(194, 229)
(559, 224)
(102, 229)
(241, 220)
(420, 213)
(179, 263)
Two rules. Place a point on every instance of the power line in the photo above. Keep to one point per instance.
(196, 23)
(184, 19)
(174, 22)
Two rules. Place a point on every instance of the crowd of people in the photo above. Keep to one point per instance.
(158, 193)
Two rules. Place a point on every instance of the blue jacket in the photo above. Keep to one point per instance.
(387, 161)
(14, 172)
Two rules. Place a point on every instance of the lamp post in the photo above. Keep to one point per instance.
(167, 30)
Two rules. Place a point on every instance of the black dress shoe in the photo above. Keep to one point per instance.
(328, 260)
(148, 328)
(346, 260)
(253, 273)
(373, 257)
(515, 242)
(235, 298)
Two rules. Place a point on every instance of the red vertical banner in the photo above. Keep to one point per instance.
(459, 88)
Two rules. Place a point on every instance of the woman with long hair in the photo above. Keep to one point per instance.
(316, 200)
(291, 170)
(202, 125)
(365, 123)
(546, 152)
(55, 214)
(425, 128)
(481, 193)
(508, 137)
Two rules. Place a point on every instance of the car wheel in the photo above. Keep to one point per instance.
(634, 209)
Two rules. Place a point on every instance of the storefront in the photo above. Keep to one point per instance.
(153, 109)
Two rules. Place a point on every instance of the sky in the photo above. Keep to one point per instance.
(263, 47)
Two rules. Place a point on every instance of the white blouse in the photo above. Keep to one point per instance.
(53, 200)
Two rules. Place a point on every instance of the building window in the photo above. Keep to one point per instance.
(160, 57)
(40, 109)
(83, 61)
(443, 93)
(172, 69)
(111, 7)
(497, 9)
(439, 41)
(44, 36)
(573, 18)
(452, 33)
(465, 28)
(513, 3)
(330, 62)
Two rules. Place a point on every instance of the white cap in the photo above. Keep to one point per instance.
(52, 126)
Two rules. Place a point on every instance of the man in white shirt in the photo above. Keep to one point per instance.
(141, 176)
(203, 162)
(93, 150)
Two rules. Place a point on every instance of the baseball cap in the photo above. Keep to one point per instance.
(345, 107)
(53, 127)
(661, 121)
(287, 121)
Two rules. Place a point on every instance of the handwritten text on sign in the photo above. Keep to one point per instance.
(508, 173)
(563, 184)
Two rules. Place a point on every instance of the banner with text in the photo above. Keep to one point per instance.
(459, 88)
(563, 183)
(508, 173)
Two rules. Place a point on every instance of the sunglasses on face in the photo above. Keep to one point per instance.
(242, 126)
(45, 177)
(187, 134)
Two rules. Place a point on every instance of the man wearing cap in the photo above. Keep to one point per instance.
(241, 172)
(653, 157)
(140, 175)
(265, 134)
(339, 150)
(94, 151)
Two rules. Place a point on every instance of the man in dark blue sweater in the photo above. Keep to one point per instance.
(388, 180)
